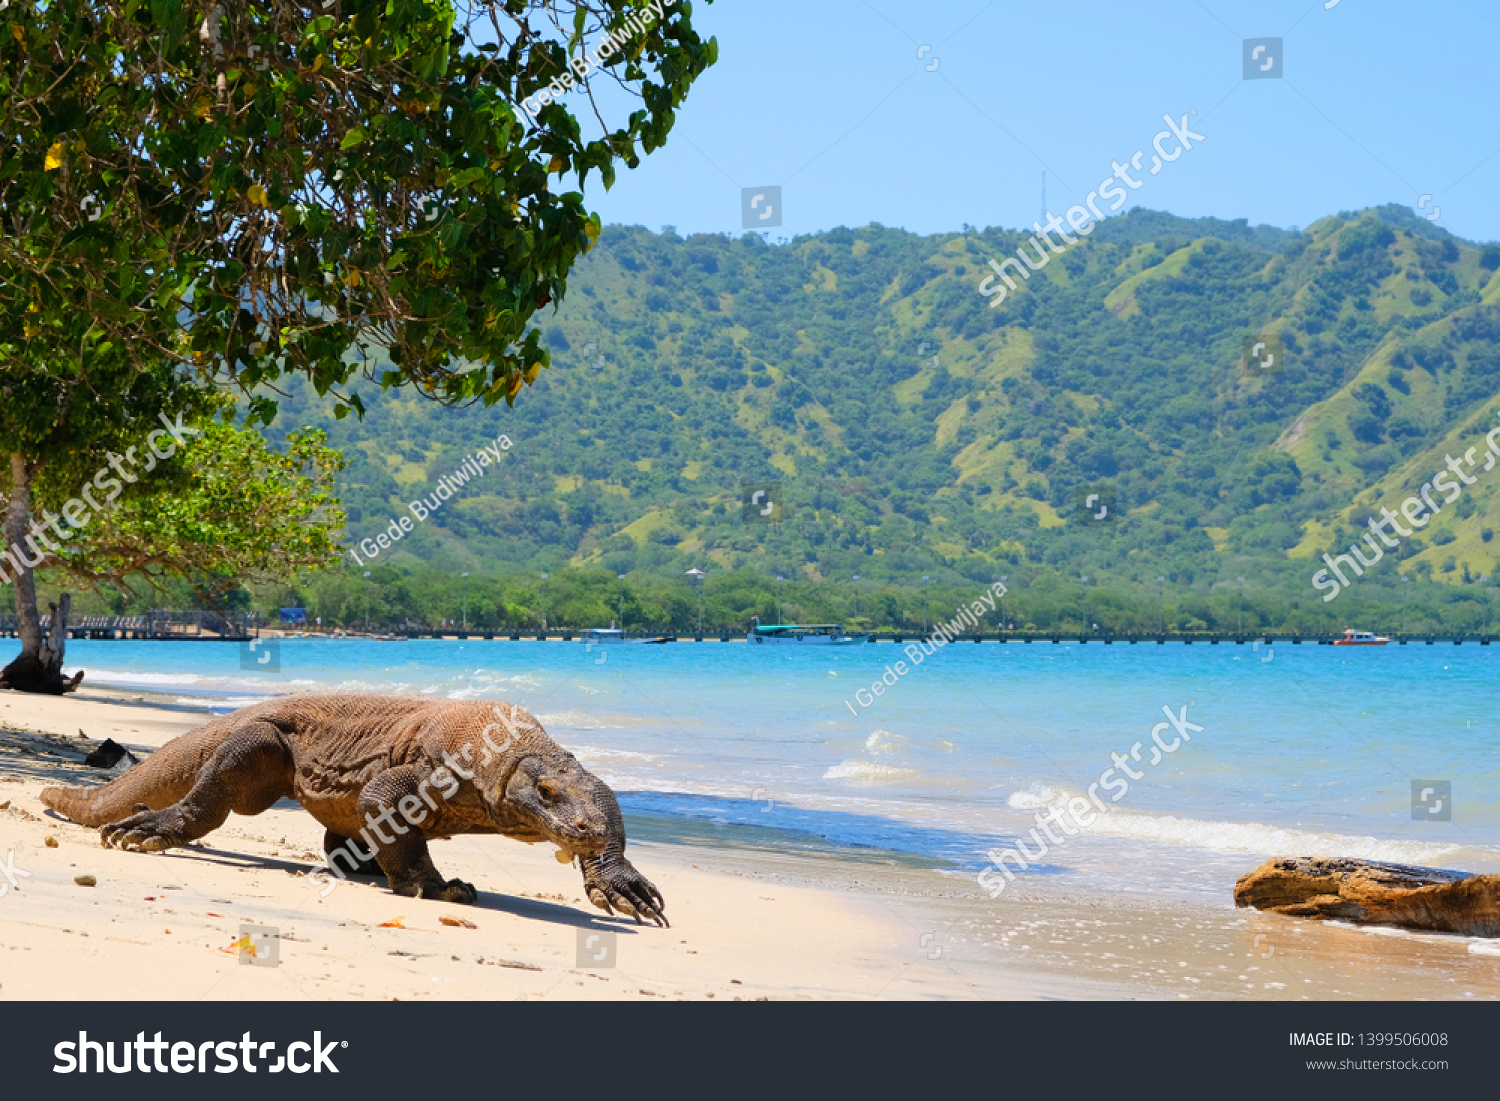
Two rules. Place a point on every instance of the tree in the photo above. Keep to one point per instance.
(230, 511)
(287, 181)
(123, 500)
(244, 193)
(57, 428)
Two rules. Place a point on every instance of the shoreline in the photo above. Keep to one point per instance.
(752, 918)
(737, 933)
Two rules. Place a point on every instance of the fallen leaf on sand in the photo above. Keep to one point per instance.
(396, 923)
(50, 842)
(449, 919)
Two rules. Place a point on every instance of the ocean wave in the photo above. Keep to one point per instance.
(596, 753)
(1232, 837)
(115, 677)
(869, 773)
(577, 720)
(1035, 797)
(883, 741)
(246, 689)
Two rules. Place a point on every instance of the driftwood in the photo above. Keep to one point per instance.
(42, 671)
(1371, 893)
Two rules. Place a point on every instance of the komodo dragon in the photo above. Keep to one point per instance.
(396, 771)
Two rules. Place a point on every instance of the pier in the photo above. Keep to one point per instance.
(213, 627)
(157, 625)
(1006, 637)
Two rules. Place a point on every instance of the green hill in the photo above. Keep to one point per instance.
(915, 429)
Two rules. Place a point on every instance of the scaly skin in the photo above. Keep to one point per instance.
(392, 772)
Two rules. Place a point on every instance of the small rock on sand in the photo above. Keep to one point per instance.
(85, 881)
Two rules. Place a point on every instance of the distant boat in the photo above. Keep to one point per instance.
(813, 634)
(601, 635)
(1360, 638)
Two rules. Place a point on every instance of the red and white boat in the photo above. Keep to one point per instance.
(1360, 638)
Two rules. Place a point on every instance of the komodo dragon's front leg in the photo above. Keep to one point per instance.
(404, 857)
(251, 769)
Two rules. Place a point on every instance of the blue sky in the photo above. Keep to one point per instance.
(1381, 101)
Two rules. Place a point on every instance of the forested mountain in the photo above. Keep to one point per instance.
(915, 428)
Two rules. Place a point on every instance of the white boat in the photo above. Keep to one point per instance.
(600, 635)
(1360, 638)
(792, 634)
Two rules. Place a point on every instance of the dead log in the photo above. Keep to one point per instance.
(1368, 892)
(40, 669)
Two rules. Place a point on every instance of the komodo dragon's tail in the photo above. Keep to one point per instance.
(159, 781)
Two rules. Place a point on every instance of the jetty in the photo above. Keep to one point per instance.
(199, 626)
(155, 625)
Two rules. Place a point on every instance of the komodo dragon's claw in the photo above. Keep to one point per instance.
(146, 830)
(618, 886)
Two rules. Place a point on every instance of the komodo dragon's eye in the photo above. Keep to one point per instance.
(548, 790)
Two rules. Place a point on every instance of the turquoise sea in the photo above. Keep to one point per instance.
(1304, 750)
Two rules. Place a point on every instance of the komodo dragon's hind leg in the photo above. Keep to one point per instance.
(340, 849)
(405, 859)
(249, 771)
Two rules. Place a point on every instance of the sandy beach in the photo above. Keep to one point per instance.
(165, 925)
(750, 920)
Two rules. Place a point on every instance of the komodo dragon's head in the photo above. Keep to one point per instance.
(560, 800)
(537, 791)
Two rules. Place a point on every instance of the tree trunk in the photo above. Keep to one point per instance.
(38, 668)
